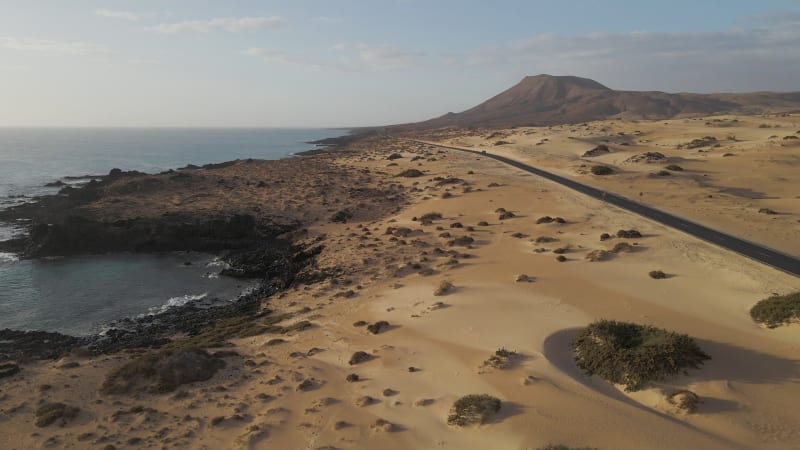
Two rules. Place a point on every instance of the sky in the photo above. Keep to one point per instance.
(346, 63)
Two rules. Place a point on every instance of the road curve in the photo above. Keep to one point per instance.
(765, 255)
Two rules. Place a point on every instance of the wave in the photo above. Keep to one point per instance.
(8, 257)
(175, 302)
(218, 262)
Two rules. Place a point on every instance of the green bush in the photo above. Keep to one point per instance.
(634, 355)
(473, 409)
(777, 310)
(602, 170)
(674, 168)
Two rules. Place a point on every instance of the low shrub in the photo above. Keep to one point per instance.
(342, 216)
(501, 359)
(410, 173)
(634, 355)
(461, 241)
(430, 217)
(444, 287)
(663, 173)
(602, 170)
(657, 275)
(767, 211)
(674, 168)
(161, 372)
(359, 357)
(564, 447)
(49, 413)
(777, 310)
(684, 400)
(629, 234)
(473, 409)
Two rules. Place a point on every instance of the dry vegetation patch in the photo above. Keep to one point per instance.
(162, 372)
(634, 355)
(777, 310)
(473, 409)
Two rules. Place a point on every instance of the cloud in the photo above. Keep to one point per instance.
(51, 46)
(229, 24)
(282, 57)
(736, 59)
(326, 19)
(349, 58)
(115, 14)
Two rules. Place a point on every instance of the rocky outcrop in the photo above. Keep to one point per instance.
(78, 234)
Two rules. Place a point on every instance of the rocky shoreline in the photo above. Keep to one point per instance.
(264, 247)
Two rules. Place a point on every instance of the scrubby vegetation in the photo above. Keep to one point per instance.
(473, 409)
(674, 168)
(49, 413)
(777, 310)
(501, 359)
(657, 275)
(444, 287)
(663, 173)
(410, 173)
(430, 217)
(629, 234)
(162, 371)
(684, 400)
(342, 216)
(461, 241)
(767, 211)
(359, 357)
(564, 447)
(634, 355)
(602, 170)
(707, 141)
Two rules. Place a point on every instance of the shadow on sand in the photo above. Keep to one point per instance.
(728, 362)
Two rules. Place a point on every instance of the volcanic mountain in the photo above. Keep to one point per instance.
(549, 100)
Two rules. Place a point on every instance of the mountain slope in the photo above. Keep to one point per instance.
(548, 100)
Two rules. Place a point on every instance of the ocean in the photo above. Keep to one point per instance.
(79, 295)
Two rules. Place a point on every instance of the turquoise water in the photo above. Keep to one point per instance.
(79, 295)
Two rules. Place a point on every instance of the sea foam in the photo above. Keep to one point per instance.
(174, 302)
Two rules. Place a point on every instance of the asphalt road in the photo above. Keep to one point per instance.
(770, 257)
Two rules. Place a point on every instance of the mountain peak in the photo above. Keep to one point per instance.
(550, 100)
(564, 80)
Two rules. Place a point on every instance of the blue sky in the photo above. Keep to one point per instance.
(351, 63)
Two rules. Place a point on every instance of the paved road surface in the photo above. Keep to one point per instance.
(773, 258)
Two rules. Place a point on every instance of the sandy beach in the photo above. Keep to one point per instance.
(293, 390)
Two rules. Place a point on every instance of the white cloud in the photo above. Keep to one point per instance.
(116, 14)
(281, 57)
(229, 24)
(350, 58)
(737, 59)
(326, 19)
(50, 46)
